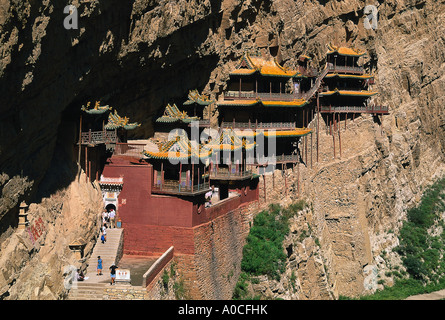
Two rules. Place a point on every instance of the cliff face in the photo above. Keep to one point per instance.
(139, 57)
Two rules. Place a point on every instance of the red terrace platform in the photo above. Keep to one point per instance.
(154, 222)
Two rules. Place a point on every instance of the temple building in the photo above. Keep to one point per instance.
(231, 164)
(93, 139)
(165, 186)
(346, 87)
(179, 167)
(264, 97)
(196, 104)
(173, 119)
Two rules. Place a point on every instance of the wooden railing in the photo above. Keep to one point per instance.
(173, 186)
(202, 123)
(243, 95)
(373, 109)
(345, 69)
(97, 137)
(260, 125)
(308, 95)
(225, 172)
(129, 149)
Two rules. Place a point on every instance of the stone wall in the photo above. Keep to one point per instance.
(212, 272)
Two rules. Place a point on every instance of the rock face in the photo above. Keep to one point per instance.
(138, 57)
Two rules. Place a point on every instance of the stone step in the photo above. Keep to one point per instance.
(93, 287)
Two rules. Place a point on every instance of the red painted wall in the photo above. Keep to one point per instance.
(152, 223)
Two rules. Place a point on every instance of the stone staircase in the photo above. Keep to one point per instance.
(94, 287)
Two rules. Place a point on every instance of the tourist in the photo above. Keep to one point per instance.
(99, 266)
(112, 216)
(80, 276)
(104, 234)
(113, 273)
(104, 218)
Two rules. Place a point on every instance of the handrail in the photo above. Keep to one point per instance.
(98, 137)
(176, 187)
(338, 68)
(270, 96)
(259, 125)
(228, 173)
(365, 109)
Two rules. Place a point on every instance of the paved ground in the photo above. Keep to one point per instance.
(438, 295)
(138, 265)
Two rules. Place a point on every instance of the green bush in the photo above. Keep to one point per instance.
(421, 252)
(263, 252)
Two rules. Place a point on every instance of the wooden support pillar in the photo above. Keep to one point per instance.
(311, 150)
(86, 163)
(180, 174)
(333, 134)
(264, 186)
(285, 179)
(273, 179)
(89, 170)
(330, 124)
(339, 136)
(162, 174)
(298, 180)
(193, 175)
(318, 125)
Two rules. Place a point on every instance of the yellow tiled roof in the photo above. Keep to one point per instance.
(364, 76)
(299, 132)
(363, 93)
(265, 66)
(238, 102)
(345, 51)
(294, 103)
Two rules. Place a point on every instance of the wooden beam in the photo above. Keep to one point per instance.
(333, 135)
(264, 183)
(339, 136)
(86, 163)
(318, 124)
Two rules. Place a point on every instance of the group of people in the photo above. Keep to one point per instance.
(108, 221)
(112, 268)
(108, 217)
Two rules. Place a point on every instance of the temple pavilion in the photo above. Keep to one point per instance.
(195, 105)
(179, 166)
(268, 99)
(347, 87)
(173, 119)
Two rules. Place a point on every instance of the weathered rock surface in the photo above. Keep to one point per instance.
(137, 57)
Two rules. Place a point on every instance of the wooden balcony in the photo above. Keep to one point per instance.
(266, 96)
(98, 137)
(173, 187)
(345, 69)
(202, 124)
(355, 109)
(226, 174)
(260, 125)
